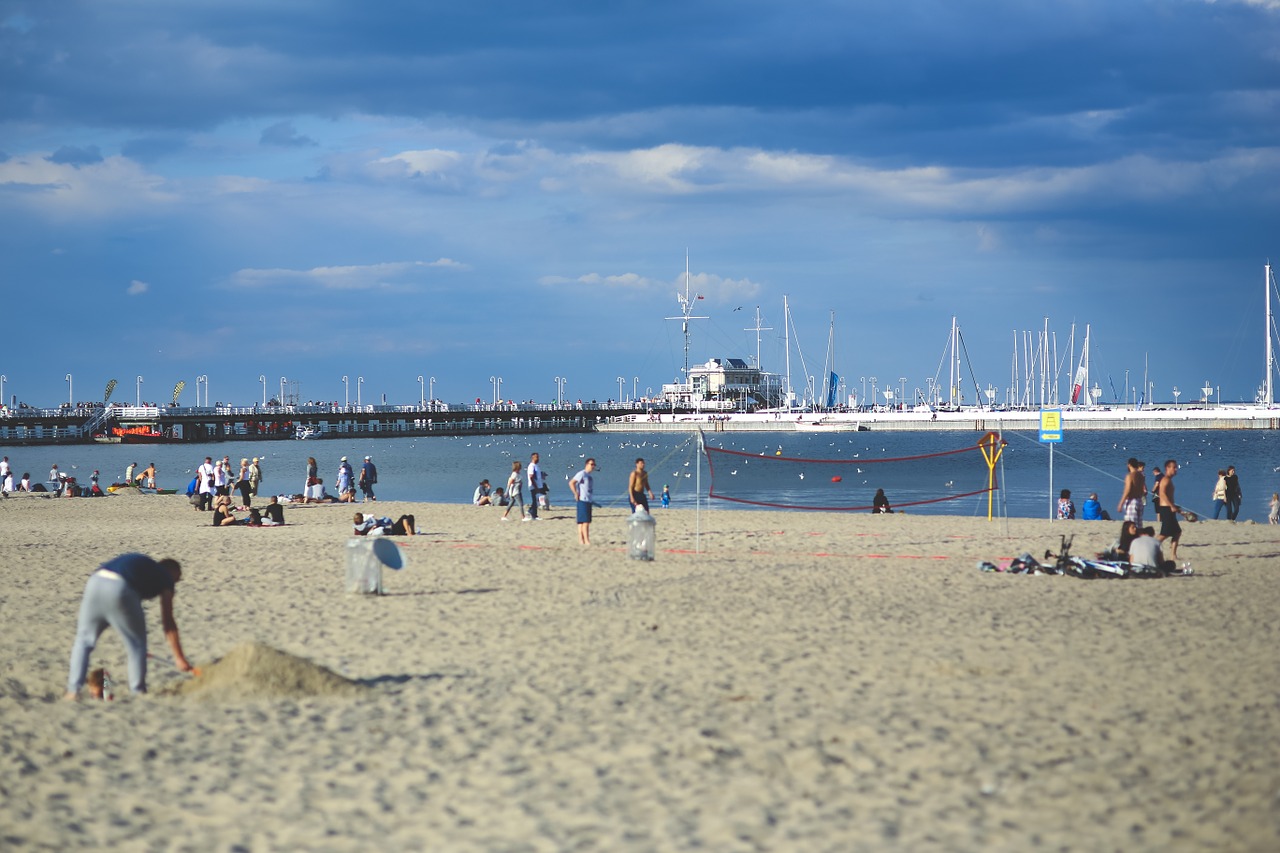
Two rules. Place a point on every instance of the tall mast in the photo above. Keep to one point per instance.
(1271, 361)
(828, 386)
(786, 338)
(757, 328)
(955, 366)
(686, 313)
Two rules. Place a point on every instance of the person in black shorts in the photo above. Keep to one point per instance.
(1168, 509)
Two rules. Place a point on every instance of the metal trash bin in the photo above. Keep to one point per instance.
(644, 535)
(366, 557)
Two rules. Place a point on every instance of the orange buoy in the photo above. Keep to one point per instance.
(835, 479)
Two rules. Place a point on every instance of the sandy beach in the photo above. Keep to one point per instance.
(784, 681)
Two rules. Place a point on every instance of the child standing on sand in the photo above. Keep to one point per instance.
(1274, 517)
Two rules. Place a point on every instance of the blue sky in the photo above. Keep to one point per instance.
(311, 189)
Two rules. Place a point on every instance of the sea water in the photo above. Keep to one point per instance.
(447, 469)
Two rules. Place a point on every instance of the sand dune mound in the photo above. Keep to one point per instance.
(257, 671)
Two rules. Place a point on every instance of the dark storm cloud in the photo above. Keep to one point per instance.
(947, 81)
(284, 134)
(74, 155)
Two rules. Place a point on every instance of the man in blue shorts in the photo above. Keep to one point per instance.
(113, 596)
(581, 486)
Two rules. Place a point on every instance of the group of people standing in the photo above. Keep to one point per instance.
(1133, 501)
(344, 484)
(216, 480)
(581, 485)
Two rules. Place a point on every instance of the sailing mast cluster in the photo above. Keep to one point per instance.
(1035, 380)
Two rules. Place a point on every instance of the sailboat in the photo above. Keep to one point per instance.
(1081, 382)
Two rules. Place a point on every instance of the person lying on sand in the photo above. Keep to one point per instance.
(113, 596)
(368, 525)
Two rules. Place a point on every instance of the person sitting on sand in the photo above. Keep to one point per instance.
(499, 497)
(880, 503)
(1066, 506)
(223, 512)
(483, 495)
(1119, 549)
(25, 484)
(273, 512)
(366, 525)
(1145, 551)
(1091, 509)
(113, 596)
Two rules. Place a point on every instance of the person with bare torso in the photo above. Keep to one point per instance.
(1135, 492)
(1168, 510)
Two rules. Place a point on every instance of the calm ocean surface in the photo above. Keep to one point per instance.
(448, 469)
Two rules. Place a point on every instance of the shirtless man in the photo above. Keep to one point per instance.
(1135, 492)
(638, 486)
(1168, 509)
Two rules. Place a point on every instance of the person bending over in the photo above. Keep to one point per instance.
(113, 597)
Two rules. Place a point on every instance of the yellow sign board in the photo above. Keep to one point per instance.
(1051, 425)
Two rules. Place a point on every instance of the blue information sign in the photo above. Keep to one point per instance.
(1051, 426)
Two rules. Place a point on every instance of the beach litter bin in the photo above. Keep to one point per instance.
(366, 558)
(644, 535)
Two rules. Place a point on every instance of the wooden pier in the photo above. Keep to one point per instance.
(199, 425)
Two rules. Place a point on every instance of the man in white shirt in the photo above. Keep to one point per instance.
(537, 485)
(205, 484)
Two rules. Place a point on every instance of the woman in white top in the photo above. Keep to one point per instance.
(515, 491)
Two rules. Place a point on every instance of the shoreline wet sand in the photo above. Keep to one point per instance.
(785, 680)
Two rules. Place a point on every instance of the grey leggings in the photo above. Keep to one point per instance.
(108, 600)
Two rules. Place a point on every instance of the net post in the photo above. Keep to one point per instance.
(992, 446)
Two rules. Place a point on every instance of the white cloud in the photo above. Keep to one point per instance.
(390, 275)
(988, 238)
(432, 162)
(137, 288)
(708, 285)
(108, 187)
(670, 167)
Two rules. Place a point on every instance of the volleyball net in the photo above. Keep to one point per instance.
(927, 481)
